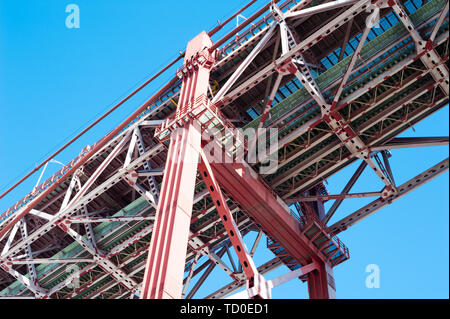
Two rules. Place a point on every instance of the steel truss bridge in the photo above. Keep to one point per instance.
(138, 213)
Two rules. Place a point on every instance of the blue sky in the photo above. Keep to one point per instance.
(55, 80)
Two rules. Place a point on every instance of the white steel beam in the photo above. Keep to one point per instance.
(205, 275)
(88, 227)
(317, 177)
(200, 247)
(145, 193)
(30, 285)
(256, 243)
(72, 209)
(130, 241)
(274, 91)
(189, 277)
(151, 172)
(373, 83)
(11, 237)
(11, 219)
(51, 261)
(356, 54)
(154, 191)
(36, 252)
(439, 22)
(295, 170)
(68, 191)
(41, 214)
(319, 8)
(233, 286)
(131, 148)
(408, 142)
(107, 265)
(246, 294)
(112, 219)
(151, 123)
(116, 250)
(99, 170)
(330, 197)
(345, 191)
(234, 77)
(31, 268)
(358, 7)
(345, 133)
(144, 232)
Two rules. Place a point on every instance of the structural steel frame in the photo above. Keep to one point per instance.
(148, 211)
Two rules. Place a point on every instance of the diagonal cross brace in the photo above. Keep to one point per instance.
(107, 265)
(425, 49)
(255, 280)
(38, 291)
(342, 129)
(29, 253)
(235, 76)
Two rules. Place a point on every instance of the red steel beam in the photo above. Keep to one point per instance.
(268, 211)
(164, 270)
(264, 207)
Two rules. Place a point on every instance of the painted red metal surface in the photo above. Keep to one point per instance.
(165, 264)
(254, 278)
(304, 238)
(267, 211)
(163, 277)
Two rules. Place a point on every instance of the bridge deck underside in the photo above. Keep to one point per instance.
(389, 91)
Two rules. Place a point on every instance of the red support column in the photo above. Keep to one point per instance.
(321, 282)
(165, 264)
(164, 271)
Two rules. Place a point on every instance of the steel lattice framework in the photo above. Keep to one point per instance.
(138, 213)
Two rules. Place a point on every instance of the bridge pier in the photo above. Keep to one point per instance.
(164, 271)
(321, 282)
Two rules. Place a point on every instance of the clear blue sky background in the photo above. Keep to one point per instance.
(54, 81)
